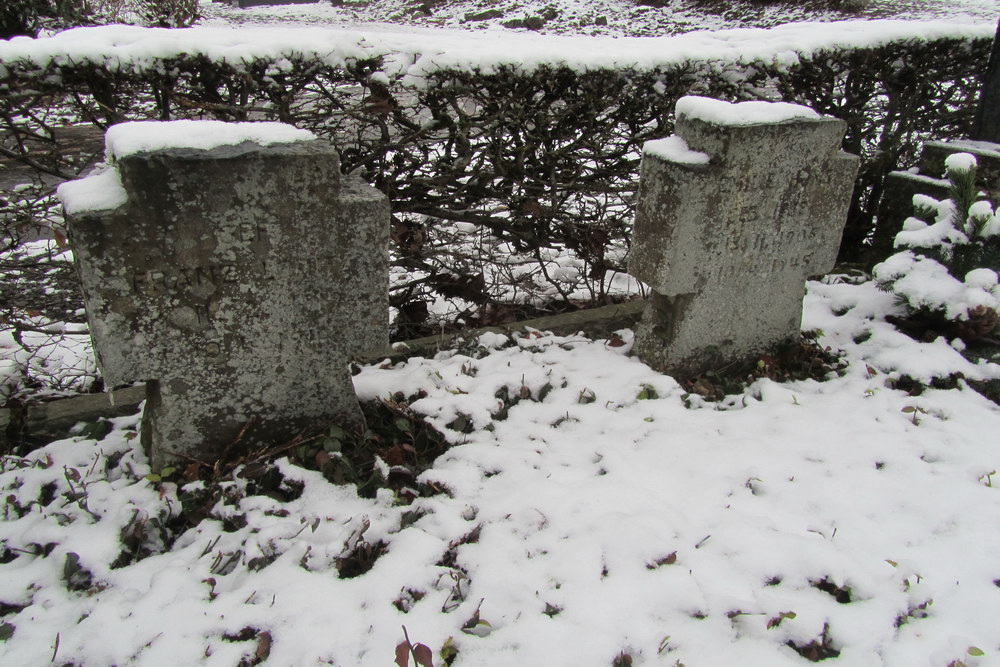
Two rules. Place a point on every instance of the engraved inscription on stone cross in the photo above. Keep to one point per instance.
(735, 211)
(238, 281)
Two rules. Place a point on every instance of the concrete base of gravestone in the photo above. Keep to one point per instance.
(238, 282)
(727, 242)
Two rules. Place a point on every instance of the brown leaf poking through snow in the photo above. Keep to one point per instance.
(263, 646)
(614, 340)
(423, 655)
(669, 559)
(403, 654)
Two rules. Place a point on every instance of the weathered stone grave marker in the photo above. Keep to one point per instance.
(231, 267)
(735, 211)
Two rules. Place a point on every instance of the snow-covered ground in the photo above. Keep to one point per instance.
(606, 518)
(593, 17)
(601, 518)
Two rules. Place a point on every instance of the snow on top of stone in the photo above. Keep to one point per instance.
(674, 149)
(976, 147)
(720, 112)
(152, 135)
(414, 55)
(104, 191)
(100, 192)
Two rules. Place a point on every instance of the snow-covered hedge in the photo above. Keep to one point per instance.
(533, 140)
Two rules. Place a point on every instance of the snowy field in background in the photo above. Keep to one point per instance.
(591, 17)
(600, 519)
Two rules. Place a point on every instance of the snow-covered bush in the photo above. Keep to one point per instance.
(44, 343)
(542, 151)
(950, 252)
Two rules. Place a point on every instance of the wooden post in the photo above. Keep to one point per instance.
(987, 123)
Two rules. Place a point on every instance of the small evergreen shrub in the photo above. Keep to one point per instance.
(946, 271)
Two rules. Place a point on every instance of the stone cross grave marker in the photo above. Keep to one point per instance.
(735, 211)
(231, 267)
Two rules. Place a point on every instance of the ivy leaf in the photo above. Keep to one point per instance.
(480, 629)
(322, 458)
(263, 646)
(423, 655)
(648, 393)
(544, 391)
(448, 651)
(776, 621)
(403, 654)
(61, 239)
(669, 559)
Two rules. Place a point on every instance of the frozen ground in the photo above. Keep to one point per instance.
(601, 518)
